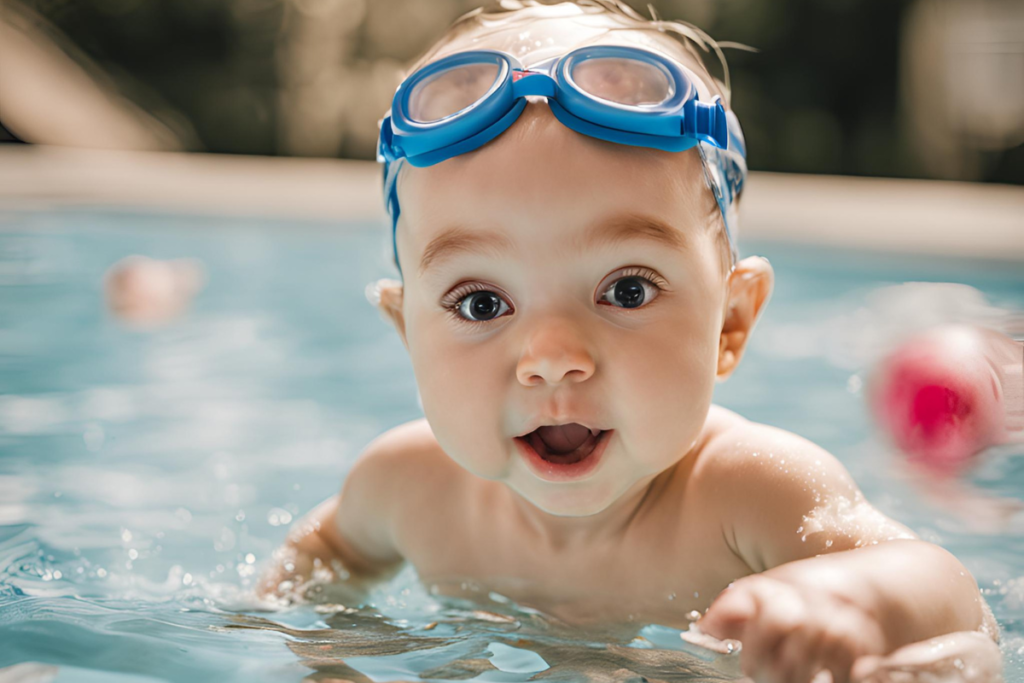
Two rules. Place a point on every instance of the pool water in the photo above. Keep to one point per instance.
(145, 477)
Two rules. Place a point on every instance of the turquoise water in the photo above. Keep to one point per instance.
(145, 477)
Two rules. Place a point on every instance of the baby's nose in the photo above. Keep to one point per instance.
(556, 351)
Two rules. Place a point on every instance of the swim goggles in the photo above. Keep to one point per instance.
(616, 93)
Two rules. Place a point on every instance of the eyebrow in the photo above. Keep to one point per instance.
(611, 232)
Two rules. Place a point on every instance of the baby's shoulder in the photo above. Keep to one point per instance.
(741, 449)
(783, 497)
(750, 462)
(403, 459)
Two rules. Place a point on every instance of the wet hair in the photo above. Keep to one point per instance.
(678, 39)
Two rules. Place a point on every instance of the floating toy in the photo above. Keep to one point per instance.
(948, 393)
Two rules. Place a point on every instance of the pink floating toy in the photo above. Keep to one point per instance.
(946, 394)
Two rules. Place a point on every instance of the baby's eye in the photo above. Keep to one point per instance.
(631, 291)
(480, 306)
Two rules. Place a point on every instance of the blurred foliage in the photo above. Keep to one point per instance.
(312, 77)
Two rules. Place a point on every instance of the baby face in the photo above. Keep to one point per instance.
(554, 278)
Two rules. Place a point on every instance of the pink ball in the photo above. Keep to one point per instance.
(938, 397)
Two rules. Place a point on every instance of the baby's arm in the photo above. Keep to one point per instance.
(837, 579)
(348, 536)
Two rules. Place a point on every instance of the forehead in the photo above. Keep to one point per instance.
(546, 186)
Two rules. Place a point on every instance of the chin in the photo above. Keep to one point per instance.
(566, 500)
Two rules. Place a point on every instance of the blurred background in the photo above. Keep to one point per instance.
(894, 88)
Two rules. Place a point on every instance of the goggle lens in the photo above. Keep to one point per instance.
(451, 91)
(621, 80)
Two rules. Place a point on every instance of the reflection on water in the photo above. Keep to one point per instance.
(462, 640)
(146, 476)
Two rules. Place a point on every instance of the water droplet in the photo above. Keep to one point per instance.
(828, 543)
(671, 596)
(279, 517)
(693, 615)
(101, 572)
(186, 580)
(240, 517)
(696, 594)
(133, 553)
(126, 536)
(250, 558)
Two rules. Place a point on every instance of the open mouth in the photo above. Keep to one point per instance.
(565, 451)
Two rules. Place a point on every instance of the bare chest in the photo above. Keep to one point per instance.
(654, 572)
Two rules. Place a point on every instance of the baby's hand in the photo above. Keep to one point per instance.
(966, 656)
(789, 633)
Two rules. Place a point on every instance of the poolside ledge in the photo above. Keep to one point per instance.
(907, 216)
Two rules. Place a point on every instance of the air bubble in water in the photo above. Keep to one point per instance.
(279, 517)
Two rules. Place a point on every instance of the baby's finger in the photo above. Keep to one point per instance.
(800, 655)
(781, 625)
(847, 638)
(729, 614)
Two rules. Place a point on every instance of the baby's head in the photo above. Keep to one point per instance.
(550, 277)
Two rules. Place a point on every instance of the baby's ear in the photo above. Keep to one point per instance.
(386, 295)
(750, 287)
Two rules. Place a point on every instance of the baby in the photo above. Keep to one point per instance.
(571, 293)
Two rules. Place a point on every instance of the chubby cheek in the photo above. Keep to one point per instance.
(669, 383)
(462, 391)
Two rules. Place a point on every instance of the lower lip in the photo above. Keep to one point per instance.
(554, 472)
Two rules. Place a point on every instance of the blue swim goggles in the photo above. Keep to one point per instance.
(616, 93)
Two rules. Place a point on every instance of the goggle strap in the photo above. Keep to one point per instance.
(706, 122)
(385, 141)
(394, 208)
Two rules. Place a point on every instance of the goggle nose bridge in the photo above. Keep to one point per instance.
(526, 82)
